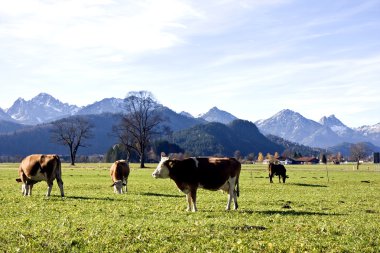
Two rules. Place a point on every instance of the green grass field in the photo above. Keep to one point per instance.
(307, 214)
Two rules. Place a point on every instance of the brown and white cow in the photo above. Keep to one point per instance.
(119, 173)
(38, 167)
(207, 173)
(277, 170)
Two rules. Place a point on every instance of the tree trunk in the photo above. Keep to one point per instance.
(357, 165)
(142, 160)
(72, 156)
(72, 159)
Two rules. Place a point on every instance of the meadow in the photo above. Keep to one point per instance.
(310, 213)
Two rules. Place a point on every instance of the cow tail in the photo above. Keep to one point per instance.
(237, 187)
(59, 169)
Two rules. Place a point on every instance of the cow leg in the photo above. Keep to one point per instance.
(28, 189)
(60, 185)
(58, 177)
(189, 202)
(192, 200)
(23, 190)
(235, 197)
(270, 178)
(231, 184)
(125, 184)
(235, 201)
(50, 187)
(279, 178)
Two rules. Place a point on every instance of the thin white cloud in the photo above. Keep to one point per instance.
(236, 55)
(129, 26)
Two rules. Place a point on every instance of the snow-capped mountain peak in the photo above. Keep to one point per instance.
(111, 105)
(293, 126)
(186, 114)
(331, 121)
(41, 108)
(335, 125)
(374, 129)
(217, 115)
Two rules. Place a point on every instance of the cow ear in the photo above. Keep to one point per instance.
(112, 184)
(163, 154)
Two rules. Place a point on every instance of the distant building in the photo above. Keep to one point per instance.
(307, 160)
(286, 160)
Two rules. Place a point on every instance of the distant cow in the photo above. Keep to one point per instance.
(207, 173)
(36, 168)
(119, 173)
(277, 170)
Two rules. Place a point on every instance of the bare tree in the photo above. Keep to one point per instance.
(72, 132)
(237, 155)
(358, 151)
(140, 123)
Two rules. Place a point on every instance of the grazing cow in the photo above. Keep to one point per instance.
(119, 173)
(277, 170)
(36, 168)
(207, 173)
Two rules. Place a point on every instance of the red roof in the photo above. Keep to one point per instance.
(307, 159)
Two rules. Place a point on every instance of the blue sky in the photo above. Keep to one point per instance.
(250, 58)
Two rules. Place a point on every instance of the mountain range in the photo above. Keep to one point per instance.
(25, 118)
(329, 131)
(45, 108)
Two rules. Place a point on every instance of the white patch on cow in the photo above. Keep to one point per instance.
(38, 177)
(196, 161)
(161, 171)
(23, 189)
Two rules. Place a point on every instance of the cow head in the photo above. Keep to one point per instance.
(118, 186)
(162, 170)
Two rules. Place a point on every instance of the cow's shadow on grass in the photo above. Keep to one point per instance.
(154, 194)
(290, 213)
(93, 198)
(308, 185)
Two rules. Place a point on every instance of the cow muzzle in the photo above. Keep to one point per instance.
(155, 175)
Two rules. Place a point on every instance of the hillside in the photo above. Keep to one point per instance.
(219, 139)
(286, 124)
(37, 139)
(292, 147)
(344, 148)
(328, 131)
(10, 126)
